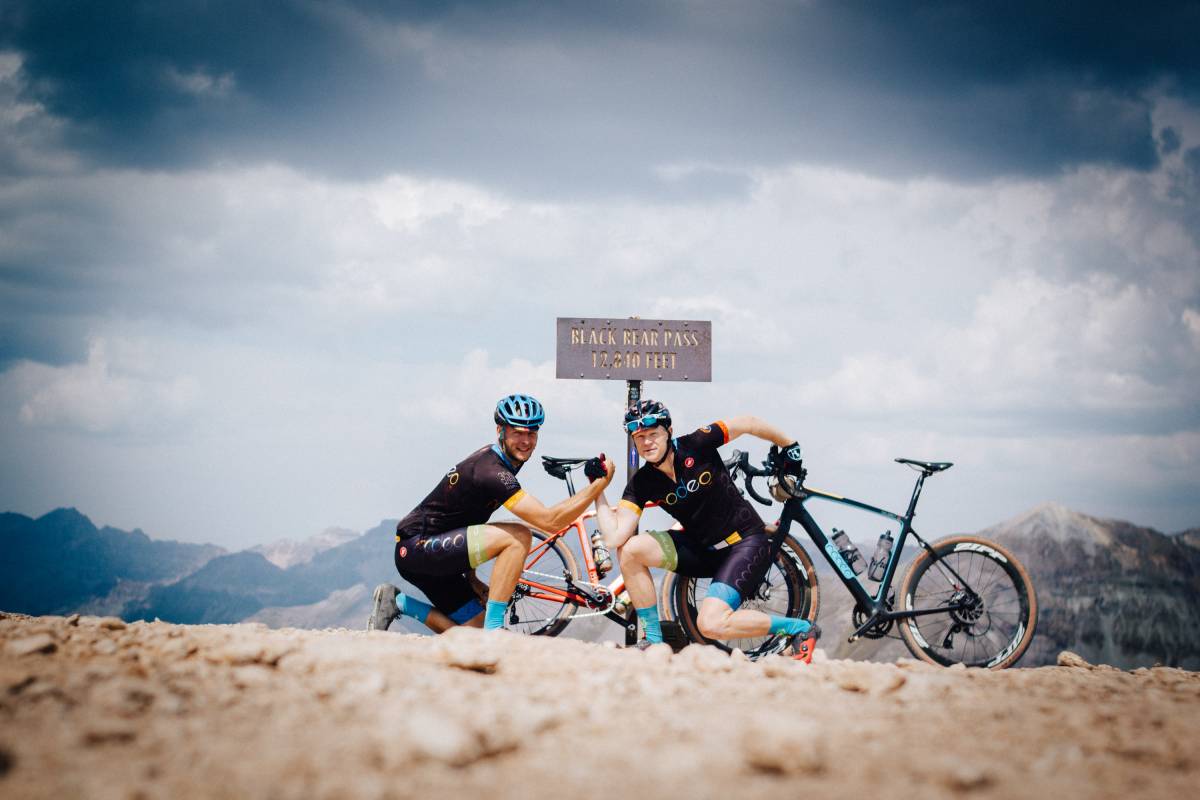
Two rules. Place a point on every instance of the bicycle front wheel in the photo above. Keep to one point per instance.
(789, 590)
(539, 604)
(990, 605)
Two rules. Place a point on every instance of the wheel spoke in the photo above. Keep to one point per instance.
(539, 615)
(991, 609)
(789, 585)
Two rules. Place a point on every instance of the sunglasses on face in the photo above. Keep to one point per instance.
(648, 421)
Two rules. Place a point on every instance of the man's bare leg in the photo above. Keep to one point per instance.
(508, 543)
(637, 555)
(717, 620)
(440, 623)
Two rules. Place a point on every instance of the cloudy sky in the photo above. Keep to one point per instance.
(265, 268)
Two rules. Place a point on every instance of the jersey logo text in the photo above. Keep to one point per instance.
(683, 490)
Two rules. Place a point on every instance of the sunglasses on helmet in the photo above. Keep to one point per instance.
(648, 421)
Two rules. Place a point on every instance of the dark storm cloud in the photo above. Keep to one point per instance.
(579, 98)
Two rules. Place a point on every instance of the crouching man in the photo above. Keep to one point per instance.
(723, 537)
(442, 541)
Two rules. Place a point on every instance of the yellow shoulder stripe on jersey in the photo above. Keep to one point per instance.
(634, 507)
(516, 498)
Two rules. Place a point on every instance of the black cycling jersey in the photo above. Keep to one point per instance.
(703, 496)
(466, 495)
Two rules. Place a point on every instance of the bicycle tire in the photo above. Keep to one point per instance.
(792, 572)
(536, 616)
(996, 633)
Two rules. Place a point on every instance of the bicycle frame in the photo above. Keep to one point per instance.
(875, 606)
(575, 593)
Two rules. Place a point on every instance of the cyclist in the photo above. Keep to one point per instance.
(441, 541)
(723, 537)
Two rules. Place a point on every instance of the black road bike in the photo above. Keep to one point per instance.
(964, 599)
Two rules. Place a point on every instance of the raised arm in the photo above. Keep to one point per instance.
(757, 427)
(560, 515)
(616, 524)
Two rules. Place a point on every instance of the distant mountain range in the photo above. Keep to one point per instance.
(1112, 591)
(286, 553)
(62, 562)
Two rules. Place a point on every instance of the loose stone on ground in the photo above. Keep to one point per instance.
(96, 707)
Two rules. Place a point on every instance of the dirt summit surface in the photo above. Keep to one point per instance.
(96, 708)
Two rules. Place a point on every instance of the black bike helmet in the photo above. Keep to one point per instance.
(647, 409)
(520, 411)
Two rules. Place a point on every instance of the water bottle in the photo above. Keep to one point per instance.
(879, 561)
(848, 550)
(600, 553)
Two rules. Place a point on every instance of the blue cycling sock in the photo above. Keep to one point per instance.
(493, 618)
(790, 625)
(412, 607)
(649, 618)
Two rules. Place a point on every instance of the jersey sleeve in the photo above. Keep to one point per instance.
(632, 497)
(710, 437)
(505, 489)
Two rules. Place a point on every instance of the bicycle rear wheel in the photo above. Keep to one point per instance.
(789, 589)
(998, 613)
(537, 606)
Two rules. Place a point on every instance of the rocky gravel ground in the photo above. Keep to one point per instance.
(95, 708)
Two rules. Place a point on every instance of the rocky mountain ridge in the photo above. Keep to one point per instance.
(285, 553)
(61, 562)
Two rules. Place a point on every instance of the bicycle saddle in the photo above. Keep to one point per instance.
(558, 467)
(928, 467)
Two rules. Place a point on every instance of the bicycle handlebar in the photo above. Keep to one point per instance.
(740, 462)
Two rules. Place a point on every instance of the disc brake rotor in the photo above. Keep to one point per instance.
(972, 615)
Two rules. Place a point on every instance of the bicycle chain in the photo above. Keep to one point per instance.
(611, 604)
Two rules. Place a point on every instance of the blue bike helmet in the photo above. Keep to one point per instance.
(520, 411)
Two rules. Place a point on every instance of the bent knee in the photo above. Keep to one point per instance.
(516, 534)
(714, 624)
(640, 550)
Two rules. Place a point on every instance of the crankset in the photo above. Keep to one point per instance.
(881, 628)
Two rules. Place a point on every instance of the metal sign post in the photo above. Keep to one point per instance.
(634, 350)
(634, 396)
